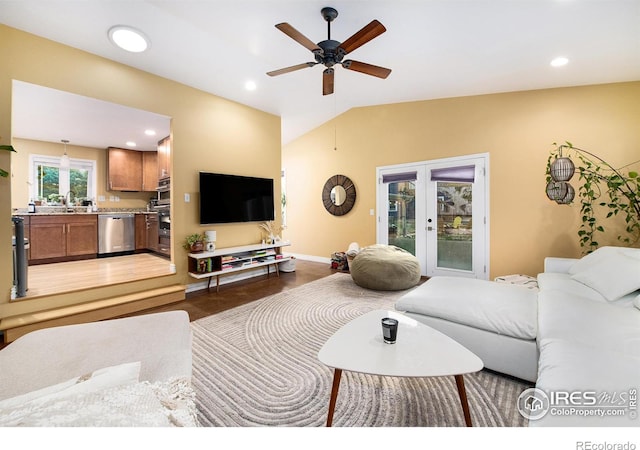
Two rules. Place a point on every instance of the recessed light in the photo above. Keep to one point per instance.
(131, 144)
(129, 39)
(250, 85)
(559, 61)
(150, 132)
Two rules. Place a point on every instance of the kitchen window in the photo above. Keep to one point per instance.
(48, 179)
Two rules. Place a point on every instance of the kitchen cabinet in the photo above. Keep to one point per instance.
(149, 171)
(164, 158)
(164, 245)
(141, 232)
(152, 232)
(131, 170)
(124, 169)
(63, 237)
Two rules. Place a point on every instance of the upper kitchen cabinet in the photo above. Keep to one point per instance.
(164, 158)
(149, 171)
(131, 170)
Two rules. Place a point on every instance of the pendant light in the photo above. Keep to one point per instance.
(64, 160)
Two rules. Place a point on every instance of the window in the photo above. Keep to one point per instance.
(49, 180)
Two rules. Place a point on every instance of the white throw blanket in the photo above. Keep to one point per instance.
(142, 404)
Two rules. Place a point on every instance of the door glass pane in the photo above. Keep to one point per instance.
(455, 236)
(402, 215)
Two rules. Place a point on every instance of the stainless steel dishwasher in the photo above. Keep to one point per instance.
(116, 234)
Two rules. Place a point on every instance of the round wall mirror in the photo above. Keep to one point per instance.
(338, 195)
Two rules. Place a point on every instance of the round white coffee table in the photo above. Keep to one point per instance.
(419, 351)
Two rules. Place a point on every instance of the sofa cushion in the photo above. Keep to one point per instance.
(598, 325)
(594, 257)
(574, 367)
(497, 307)
(613, 275)
(108, 377)
(549, 281)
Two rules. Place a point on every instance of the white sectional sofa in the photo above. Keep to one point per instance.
(589, 338)
(578, 338)
(134, 371)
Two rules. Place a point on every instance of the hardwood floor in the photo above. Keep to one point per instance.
(47, 279)
(205, 302)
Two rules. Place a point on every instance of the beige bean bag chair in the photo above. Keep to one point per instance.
(385, 268)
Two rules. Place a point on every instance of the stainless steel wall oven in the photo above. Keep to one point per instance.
(164, 191)
(164, 229)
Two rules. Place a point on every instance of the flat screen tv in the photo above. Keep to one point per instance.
(233, 198)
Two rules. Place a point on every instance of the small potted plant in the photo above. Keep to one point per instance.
(194, 242)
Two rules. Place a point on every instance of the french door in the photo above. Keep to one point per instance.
(437, 210)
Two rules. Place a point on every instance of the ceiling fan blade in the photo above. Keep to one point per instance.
(368, 69)
(327, 81)
(363, 36)
(274, 73)
(298, 37)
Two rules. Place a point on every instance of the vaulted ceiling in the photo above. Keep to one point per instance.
(435, 48)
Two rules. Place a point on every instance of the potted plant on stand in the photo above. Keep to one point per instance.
(194, 242)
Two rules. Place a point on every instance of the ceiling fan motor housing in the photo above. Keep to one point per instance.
(331, 53)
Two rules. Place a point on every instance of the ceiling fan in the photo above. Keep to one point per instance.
(330, 52)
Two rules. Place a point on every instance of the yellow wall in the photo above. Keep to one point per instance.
(20, 181)
(515, 129)
(209, 133)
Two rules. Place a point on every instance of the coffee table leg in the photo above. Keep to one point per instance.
(463, 399)
(337, 373)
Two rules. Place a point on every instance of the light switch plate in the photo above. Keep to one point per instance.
(187, 197)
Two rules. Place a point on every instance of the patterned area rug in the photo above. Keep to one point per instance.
(256, 365)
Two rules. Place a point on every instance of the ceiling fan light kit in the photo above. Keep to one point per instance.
(330, 52)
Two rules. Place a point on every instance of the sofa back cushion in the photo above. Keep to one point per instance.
(612, 272)
(594, 257)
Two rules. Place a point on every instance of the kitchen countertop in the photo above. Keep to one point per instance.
(58, 211)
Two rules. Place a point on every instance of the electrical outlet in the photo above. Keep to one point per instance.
(372, 212)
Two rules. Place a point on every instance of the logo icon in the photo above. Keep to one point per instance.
(533, 404)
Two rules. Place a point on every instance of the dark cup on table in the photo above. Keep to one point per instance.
(389, 330)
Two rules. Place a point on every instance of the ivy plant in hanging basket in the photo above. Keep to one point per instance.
(601, 186)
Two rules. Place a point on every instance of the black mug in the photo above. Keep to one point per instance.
(389, 330)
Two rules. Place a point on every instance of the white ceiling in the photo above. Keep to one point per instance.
(46, 114)
(436, 48)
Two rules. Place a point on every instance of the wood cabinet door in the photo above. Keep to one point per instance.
(141, 231)
(164, 245)
(48, 240)
(149, 171)
(124, 170)
(164, 158)
(82, 237)
(152, 233)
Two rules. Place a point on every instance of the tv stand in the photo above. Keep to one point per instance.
(229, 260)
